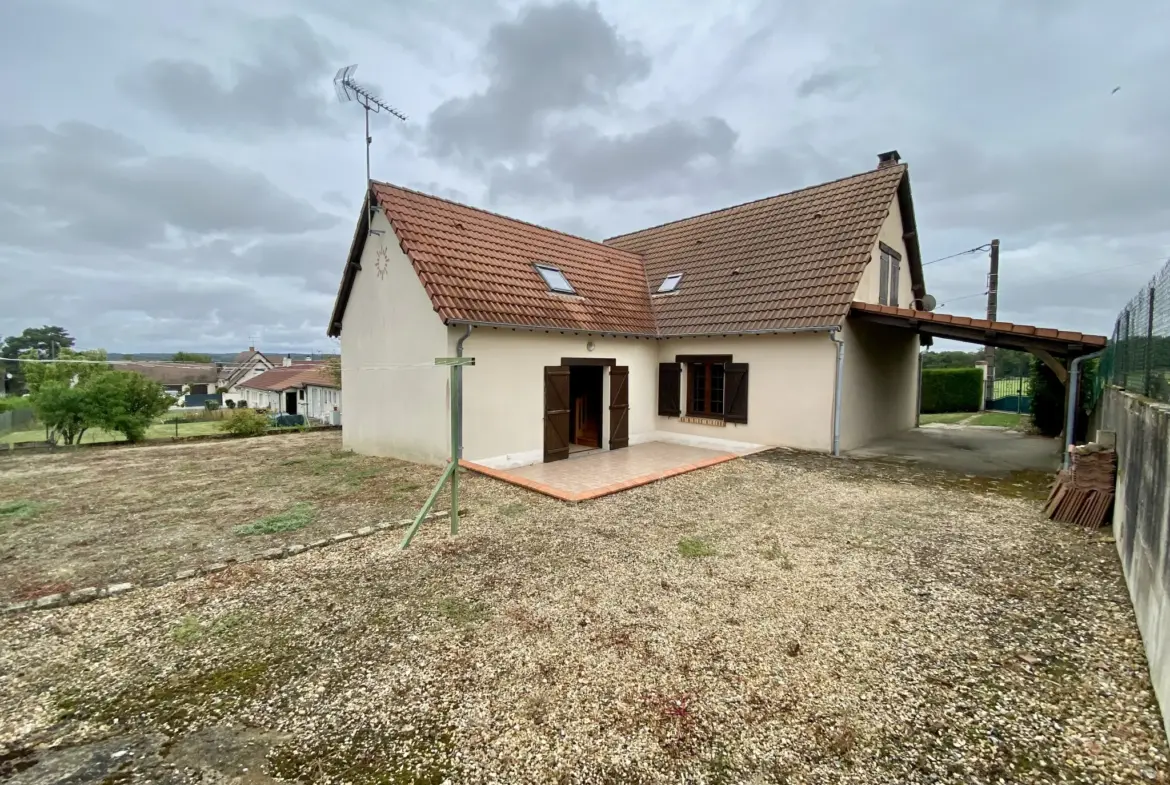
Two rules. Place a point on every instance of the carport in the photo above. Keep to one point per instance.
(1058, 349)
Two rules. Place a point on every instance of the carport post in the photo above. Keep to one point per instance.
(1074, 379)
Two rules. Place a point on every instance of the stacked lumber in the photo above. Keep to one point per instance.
(1083, 493)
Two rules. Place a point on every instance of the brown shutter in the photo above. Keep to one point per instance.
(669, 389)
(556, 413)
(619, 407)
(735, 382)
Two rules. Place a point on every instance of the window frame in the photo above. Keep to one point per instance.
(889, 273)
(708, 362)
(545, 270)
(675, 280)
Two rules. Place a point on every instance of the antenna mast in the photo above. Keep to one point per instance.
(350, 90)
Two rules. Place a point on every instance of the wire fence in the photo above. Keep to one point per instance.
(1138, 357)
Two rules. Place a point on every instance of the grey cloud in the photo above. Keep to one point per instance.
(80, 183)
(549, 59)
(827, 81)
(282, 87)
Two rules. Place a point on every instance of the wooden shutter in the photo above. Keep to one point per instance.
(669, 389)
(619, 407)
(884, 280)
(735, 392)
(556, 413)
(895, 265)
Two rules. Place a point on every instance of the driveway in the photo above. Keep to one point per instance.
(976, 450)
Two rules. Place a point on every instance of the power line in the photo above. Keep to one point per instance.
(976, 249)
(964, 297)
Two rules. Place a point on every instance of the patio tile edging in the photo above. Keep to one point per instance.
(596, 493)
(91, 593)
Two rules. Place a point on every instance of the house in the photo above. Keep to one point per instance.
(244, 365)
(192, 383)
(295, 388)
(731, 326)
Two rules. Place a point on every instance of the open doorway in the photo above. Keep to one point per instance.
(585, 394)
(290, 402)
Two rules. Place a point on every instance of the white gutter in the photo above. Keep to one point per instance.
(1070, 417)
(835, 337)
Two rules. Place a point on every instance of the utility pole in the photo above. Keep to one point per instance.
(992, 307)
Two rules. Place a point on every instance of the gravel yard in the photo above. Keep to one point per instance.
(784, 618)
(99, 515)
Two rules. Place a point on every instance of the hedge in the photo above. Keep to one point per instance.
(951, 390)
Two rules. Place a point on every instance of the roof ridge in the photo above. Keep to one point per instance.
(508, 218)
(711, 213)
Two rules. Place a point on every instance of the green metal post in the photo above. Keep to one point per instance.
(456, 384)
(426, 508)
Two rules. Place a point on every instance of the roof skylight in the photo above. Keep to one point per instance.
(555, 279)
(670, 283)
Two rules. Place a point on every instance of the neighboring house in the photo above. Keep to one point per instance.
(192, 383)
(732, 326)
(295, 388)
(244, 365)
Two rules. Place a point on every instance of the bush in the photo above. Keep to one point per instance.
(14, 402)
(1047, 400)
(245, 422)
(951, 390)
(211, 405)
(242, 405)
(230, 404)
(126, 402)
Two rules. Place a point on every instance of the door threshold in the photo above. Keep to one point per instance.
(581, 452)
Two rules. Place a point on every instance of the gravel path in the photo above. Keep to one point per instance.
(784, 618)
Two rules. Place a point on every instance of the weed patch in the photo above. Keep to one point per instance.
(297, 517)
(694, 548)
(20, 510)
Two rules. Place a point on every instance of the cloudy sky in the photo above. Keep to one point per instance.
(180, 175)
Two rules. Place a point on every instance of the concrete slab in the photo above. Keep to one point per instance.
(984, 451)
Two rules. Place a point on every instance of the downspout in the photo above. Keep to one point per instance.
(835, 337)
(1074, 378)
(457, 393)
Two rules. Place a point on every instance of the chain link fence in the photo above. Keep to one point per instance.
(1138, 357)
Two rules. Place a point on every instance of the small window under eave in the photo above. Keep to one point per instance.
(555, 279)
(670, 283)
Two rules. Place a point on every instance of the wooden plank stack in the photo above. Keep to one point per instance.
(1083, 494)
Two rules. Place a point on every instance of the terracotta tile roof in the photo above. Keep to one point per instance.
(478, 267)
(983, 325)
(167, 373)
(288, 377)
(788, 261)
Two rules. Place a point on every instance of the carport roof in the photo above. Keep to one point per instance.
(1006, 335)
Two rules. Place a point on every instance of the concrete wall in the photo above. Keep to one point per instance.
(790, 388)
(879, 394)
(890, 234)
(1141, 521)
(393, 411)
(503, 393)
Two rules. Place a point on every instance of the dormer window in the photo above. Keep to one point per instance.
(555, 279)
(670, 283)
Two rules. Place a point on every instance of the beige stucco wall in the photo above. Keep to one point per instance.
(790, 388)
(891, 234)
(389, 321)
(503, 393)
(879, 392)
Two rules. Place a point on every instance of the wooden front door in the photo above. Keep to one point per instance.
(619, 407)
(556, 413)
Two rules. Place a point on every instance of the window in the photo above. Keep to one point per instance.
(670, 283)
(891, 262)
(705, 387)
(555, 279)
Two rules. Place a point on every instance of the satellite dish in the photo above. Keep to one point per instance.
(928, 302)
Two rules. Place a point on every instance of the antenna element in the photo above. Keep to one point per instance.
(350, 90)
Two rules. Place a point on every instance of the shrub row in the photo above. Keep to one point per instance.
(951, 390)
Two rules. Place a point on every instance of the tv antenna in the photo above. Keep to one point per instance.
(350, 90)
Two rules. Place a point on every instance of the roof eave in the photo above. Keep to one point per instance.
(353, 264)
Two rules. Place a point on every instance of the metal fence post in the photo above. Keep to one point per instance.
(1125, 355)
(1150, 345)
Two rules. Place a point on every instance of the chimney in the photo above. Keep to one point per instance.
(888, 159)
(287, 360)
(251, 348)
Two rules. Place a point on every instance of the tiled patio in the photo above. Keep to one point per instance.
(602, 473)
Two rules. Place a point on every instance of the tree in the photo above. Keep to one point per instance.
(951, 359)
(44, 342)
(190, 357)
(333, 368)
(64, 410)
(84, 366)
(125, 402)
